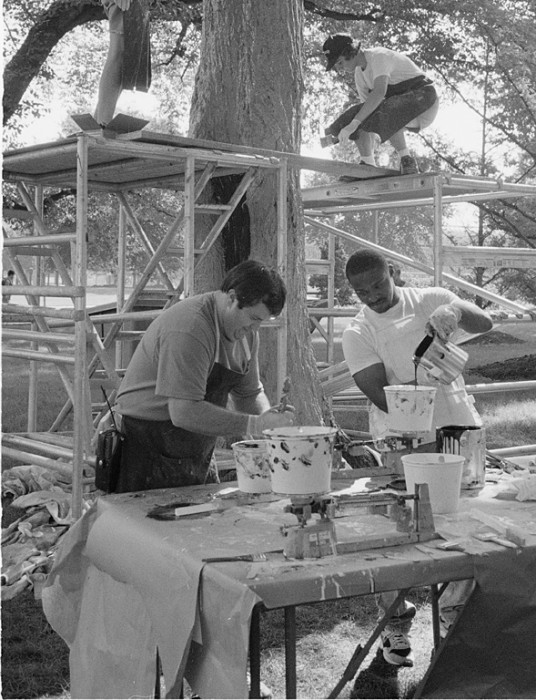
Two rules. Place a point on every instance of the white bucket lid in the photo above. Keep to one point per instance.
(304, 431)
(392, 388)
(431, 458)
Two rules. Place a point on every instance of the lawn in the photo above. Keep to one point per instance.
(35, 659)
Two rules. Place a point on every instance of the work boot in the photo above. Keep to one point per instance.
(408, 165)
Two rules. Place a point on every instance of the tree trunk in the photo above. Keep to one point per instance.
(248, 91)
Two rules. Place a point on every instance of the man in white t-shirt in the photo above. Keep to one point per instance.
(395, 95)
(378, 347)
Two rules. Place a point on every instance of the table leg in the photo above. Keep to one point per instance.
(290, 652)
(157, 680)
(255, 654)
(436, 593)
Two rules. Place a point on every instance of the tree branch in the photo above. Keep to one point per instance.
(62, 16)
(373, 15)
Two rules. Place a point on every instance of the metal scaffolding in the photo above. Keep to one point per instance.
(84, 346)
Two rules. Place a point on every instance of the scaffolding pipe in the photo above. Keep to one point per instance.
(66, 468)
(80, 438)
(46, 449)
(282, 256)
(438, 232)
(518, 451)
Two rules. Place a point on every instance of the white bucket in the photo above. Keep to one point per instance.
(301, 459)
(252, 466)
(410, 408)
(442, 473)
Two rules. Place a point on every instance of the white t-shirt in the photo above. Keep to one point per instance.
(391, 339)
(380, 61)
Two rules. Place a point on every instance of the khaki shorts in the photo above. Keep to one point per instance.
(115, 16)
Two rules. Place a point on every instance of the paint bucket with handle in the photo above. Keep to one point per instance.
(441, 359)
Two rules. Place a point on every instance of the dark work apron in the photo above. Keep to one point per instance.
(158, 454)
(403, 102)
(137, 47)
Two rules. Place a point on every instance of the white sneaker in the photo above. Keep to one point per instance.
(266, 692)
(396, 648)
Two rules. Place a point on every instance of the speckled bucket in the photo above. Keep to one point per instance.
(252, 466)
(410, 408)
(301, 459)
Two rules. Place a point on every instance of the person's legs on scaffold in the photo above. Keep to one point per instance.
(110, 84)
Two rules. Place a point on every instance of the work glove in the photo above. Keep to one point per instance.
(272, 418)
(443, 321)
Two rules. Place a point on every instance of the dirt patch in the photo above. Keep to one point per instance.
(494, 338)
(515, 369)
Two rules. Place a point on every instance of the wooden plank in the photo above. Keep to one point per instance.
(16, 214)
(40, 336)
(45, 291)
(39, 356)
(294, 160)
(17, 310)
(54, 239)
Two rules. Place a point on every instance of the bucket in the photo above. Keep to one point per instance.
(442, 473)
(301, 459)
(470, 442)
(252, 466)
(410, 408)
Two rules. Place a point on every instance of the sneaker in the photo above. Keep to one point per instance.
(408, 165)
(396, 649)
(266, 692)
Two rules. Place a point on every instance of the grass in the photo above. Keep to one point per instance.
(509, 420)
(328, 635)
(35, 659)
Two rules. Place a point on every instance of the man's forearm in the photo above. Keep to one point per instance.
(472, 319)
(206, 418)
(255, 405)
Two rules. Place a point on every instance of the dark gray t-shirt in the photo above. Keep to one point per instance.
(176, 355)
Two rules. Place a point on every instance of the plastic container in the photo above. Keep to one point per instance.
(252, 466)
(470, 442)
(410, 408)
(301, 459)
(442, 473)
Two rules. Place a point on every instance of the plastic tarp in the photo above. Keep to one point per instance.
(491, 652)
(121, 587)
